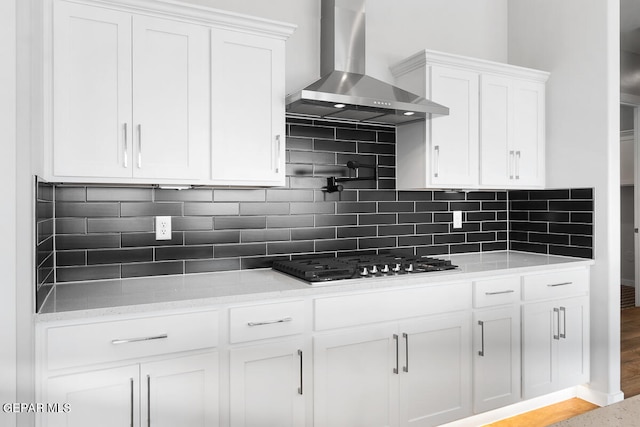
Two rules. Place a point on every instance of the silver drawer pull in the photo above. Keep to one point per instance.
(129, 340)
(270, 322)
(559, 284)
(510, 291)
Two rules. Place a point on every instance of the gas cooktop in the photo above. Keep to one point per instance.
(354, 267)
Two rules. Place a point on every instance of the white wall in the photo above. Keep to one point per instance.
(395, 30)
(8, 212)
(578, 42)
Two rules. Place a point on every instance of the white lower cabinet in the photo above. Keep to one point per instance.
(181, 391)
(267, 385)
(435, 372)
(354, 380)
(102, 398)
(496, 358)
(415, 373)
(555, 348)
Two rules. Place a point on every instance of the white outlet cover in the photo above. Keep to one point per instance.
(163, 228)
(457, 219)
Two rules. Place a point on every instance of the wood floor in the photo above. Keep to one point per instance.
(629, 380)
(630, 351)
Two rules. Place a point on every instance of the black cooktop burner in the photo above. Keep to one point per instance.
(354, 267)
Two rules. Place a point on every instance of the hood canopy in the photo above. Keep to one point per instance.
(345, 91)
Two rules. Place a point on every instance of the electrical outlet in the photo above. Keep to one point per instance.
(457, 219)
(163, 228)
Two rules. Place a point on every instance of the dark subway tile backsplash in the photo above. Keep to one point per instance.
(106, 232)
(555, 222)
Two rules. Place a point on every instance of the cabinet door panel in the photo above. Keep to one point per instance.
(104, 398)
(529, 128)
(454, 138)
(538, 349)
(354, 383)
(265, 381)
(573, 346)
(496, 358)
(171, 86)
(248, 109)
(497, 160)
(91, 92)
(436, 387)
(180, 392)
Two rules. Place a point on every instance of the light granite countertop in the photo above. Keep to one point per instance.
(107, 297)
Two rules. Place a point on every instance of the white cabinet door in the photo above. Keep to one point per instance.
(454, 138)
(529, 133)
(267, 387)
(555, 345)
(91, 92)
(170, 99)
(497, 158)
(496, 354)
(511, 132)
(354, 380)
(573, 345)
(539, 333)
(180, 392)
(247, 75)
(435, 372)
(103, 398)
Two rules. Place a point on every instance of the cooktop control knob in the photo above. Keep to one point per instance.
(396, 268)
(373, 269)
(385, 268)
(364, 271)
(409, 268)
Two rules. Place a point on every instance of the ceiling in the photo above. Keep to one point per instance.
(630, 25)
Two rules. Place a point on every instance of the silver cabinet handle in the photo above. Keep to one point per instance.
(139, 146)
(148, 401)
(518, 164)
(277, 143)
(557, 314)
(130, 340)
(395, 338)
(481, 324)
(131, 387)
(553, 285)
(300, 356)
(126, 148)
(436, 168)
(563, 334)
(406, 352)
(512, 162)
(270, 322)
(510, 291)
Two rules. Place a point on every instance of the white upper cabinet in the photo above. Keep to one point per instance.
(170, 99)
(454, 140)
(511, 132)
(494, 134)
(131, 95)
(248, 122)
(91, 92)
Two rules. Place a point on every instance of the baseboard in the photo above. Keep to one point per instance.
(628, 282)
(599, 398)
(515, 409)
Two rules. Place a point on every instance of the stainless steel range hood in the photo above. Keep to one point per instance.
(344, 91)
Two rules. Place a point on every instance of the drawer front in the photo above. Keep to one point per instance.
(86, 344)
(262, 321)
(555, 284)
(361, 309)
(497, 291)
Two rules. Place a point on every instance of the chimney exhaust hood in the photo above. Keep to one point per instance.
(345, 91)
